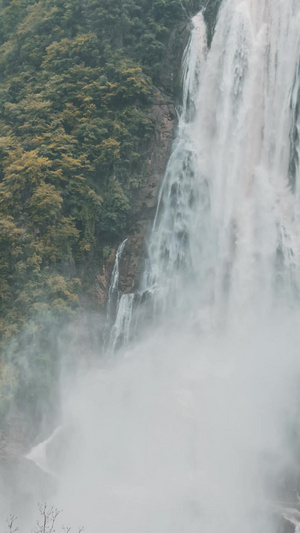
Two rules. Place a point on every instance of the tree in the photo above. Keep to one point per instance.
(46, 523)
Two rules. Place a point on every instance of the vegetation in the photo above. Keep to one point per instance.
(77, 81)
(46, 524)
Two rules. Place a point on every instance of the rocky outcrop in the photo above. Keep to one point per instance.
(144, 202)
(144, 207)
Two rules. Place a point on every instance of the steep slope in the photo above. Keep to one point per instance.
(87, 114)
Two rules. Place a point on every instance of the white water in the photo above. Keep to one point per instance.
(120, 332)
(228, 238)
(191, 428)
(40, 456)
(113, 292)
(119, 306)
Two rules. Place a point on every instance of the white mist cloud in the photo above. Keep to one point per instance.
(184, 433)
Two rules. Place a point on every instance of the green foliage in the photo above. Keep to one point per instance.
(115, 211)
(77, 81)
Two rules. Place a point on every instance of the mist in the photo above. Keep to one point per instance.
(182, 432)
(189, 419)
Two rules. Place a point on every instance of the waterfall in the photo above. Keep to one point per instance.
(194, 426)
(120, 331)
(119, 307)
(113, 291)
(226, 237)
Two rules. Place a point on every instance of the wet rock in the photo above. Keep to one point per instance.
(145, 201)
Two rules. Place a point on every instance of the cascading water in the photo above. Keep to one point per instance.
(226, 237)
(119, 307)
(194, 427)
(113, 292)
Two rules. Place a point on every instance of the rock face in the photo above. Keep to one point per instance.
(164, 117)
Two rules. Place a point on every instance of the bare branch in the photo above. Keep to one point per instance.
(11, 523)
(48, 519)
(46, 522)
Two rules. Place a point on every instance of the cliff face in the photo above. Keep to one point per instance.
(164, 116)
(144, 204)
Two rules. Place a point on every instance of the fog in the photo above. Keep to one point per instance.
(189, 420)
(182, 432)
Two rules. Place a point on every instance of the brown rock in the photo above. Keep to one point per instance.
(145, 201)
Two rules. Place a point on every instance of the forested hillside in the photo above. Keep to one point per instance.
(78, 79)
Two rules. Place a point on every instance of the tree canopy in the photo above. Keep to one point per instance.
(77, 81)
